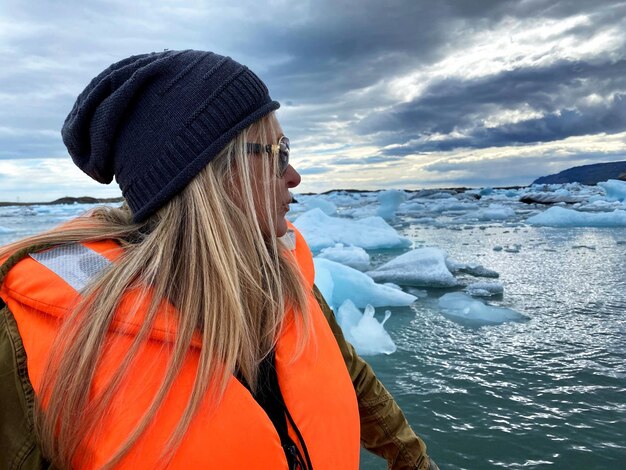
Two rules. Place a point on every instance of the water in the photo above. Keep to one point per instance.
(546, 393)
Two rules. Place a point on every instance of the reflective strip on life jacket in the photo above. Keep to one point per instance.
(75, 264)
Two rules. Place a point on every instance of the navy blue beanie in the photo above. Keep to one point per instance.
(155, 120)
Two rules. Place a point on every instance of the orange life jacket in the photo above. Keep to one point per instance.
(237, 434)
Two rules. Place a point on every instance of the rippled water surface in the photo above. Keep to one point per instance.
(549, 392)
(546, 393)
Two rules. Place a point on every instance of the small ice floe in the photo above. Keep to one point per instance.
(352, 256)
(435, 194)
(497, 248)
(5, 229)
(389, 201)
(313, 202)
(363, 331)
(426, 267)
(421, 267)
(344, 198)
(321, 231)
(463, 307)
(615, 190)
(411, 207)
(493, 212)
(514, 248)
(484, 289)
(476, 270)
(338, 283)
(549, 198)
(560, 217)
(452, 205)
(392, 285)
(419, 293)
(599, 205)
(368, 210)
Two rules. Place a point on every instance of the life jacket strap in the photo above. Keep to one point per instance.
(270, 398)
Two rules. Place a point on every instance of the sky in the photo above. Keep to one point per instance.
(374, 94)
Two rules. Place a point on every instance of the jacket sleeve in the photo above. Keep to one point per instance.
(19, 448)
(384, 429)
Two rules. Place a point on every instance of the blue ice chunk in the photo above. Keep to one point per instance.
(389, 201)
(615, 190)
(348, 283)
(463, 307)
(363, 331)
(370, 233)
(420, 267)
(560, 217)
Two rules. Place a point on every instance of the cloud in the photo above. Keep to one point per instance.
(370, 90)
(559, 93)
(313, 170)
(46, 179)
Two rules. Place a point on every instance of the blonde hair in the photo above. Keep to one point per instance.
(207, 253)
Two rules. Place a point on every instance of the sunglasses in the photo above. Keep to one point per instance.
(280, 150)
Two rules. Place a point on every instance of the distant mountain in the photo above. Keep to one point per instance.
(587, 174)
(66, 200)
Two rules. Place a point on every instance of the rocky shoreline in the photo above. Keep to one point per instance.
(66, 200)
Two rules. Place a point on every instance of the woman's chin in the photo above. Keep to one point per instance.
(281, 227)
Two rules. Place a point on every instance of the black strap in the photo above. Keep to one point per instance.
(270, 398)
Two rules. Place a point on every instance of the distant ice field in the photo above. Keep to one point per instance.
(506, 340)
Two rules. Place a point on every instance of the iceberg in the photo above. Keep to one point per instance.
(363, 331)
(549, 198)
(389, 201)
(423, 267)
(352, 256)
(321, 231)
(462, 306)
(317, 202)
(411, 207)
(476, 270)
(493, 212)
(339, 283)
(451, 204)
(560, 217)
(615, 190)
(484, 289)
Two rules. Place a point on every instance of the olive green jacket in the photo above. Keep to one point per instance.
(384, 429)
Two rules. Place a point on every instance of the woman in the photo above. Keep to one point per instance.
(183, 329)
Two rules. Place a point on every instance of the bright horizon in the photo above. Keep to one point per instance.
(416, 96)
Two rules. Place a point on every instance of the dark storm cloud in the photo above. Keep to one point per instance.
(330, 60)
(560, 92)
(349, 45)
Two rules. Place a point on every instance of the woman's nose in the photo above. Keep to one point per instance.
(292, 177)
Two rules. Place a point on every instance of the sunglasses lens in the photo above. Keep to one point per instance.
(283, 155)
